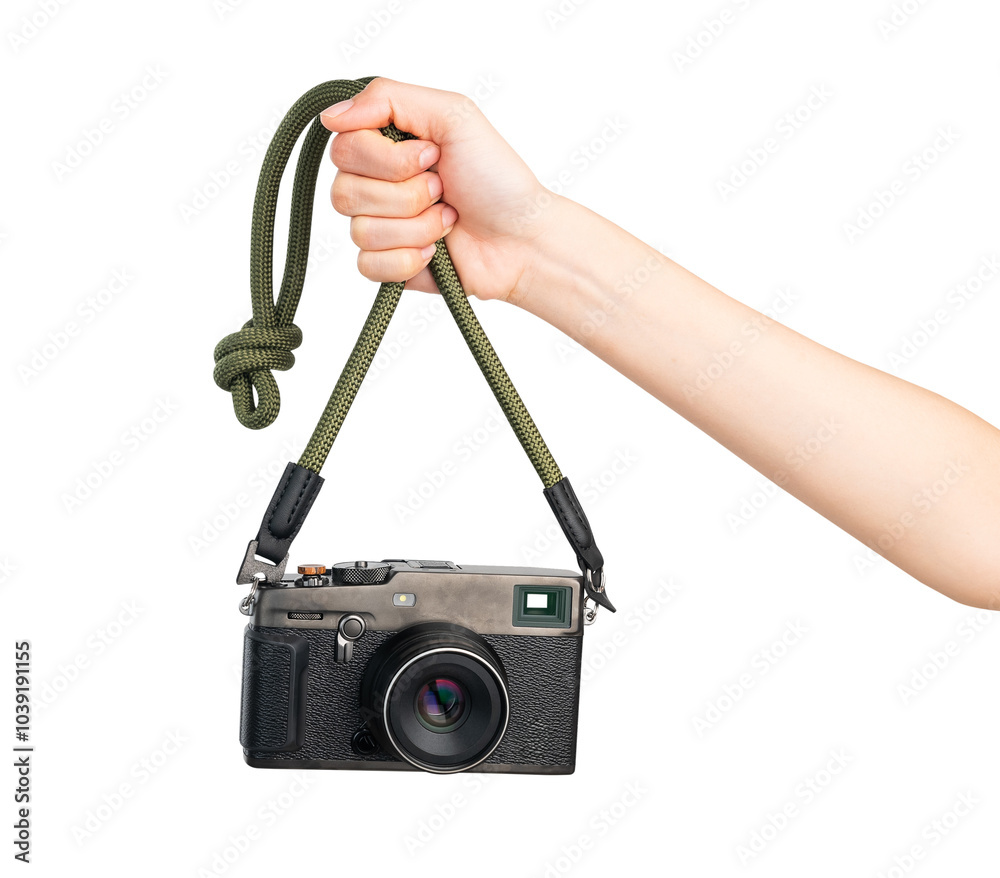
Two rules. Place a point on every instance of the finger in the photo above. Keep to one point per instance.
(389, 233)
(393, 266)
(423, 281)
(427, 113)
(353, 195)
(368, 153)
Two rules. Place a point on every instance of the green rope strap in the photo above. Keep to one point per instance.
(244, 360)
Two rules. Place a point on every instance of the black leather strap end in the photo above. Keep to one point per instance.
(573, 521)
(287, 511)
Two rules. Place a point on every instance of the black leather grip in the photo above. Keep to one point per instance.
(272, 712)
(573, 521)
(287, 511)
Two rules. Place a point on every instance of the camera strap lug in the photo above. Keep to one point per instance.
(246, 605)
(593, 583)
(253, 569)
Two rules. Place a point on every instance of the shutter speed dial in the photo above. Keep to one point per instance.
(359, 573)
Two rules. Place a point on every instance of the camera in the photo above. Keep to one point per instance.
(409, 664)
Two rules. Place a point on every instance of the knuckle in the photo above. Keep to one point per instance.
(367, 265)
(410, 165)
(378, 85)
(433, 226)
(341, 195)
(361, 231)
(416, 198)
(342, 148)
(399, 164)
(461, 107)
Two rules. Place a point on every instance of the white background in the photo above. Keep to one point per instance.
(709, 566)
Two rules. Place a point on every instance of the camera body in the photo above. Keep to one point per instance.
(406, 665)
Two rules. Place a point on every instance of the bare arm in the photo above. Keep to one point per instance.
(907, 472)
(904, 470)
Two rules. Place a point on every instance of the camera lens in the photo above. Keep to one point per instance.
(441, 704)
(435, 695)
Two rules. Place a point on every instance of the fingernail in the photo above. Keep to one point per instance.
(428, 157)
(448, 216)
(435, 186)
(428, 251)
(337, 109)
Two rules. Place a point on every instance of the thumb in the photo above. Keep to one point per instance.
(427, 113)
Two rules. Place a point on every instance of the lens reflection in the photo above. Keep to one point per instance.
(441, 704)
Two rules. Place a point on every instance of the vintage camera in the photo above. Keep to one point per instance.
(405, 664)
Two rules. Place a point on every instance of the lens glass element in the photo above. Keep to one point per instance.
(441, 704)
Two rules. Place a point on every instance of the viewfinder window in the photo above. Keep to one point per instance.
(542, 606)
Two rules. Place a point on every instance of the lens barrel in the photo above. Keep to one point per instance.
(435, 695)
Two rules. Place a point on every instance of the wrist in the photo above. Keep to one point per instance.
(547, 264)
(580, 269)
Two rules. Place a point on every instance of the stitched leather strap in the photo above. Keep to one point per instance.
(573, 521)
(287, 511)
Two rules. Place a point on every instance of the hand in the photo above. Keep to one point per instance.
(460, 178)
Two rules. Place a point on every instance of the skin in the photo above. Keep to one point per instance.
(907, 472)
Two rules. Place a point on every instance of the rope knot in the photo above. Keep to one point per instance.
(243, 364)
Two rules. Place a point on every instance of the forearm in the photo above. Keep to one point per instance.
(909, 473)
